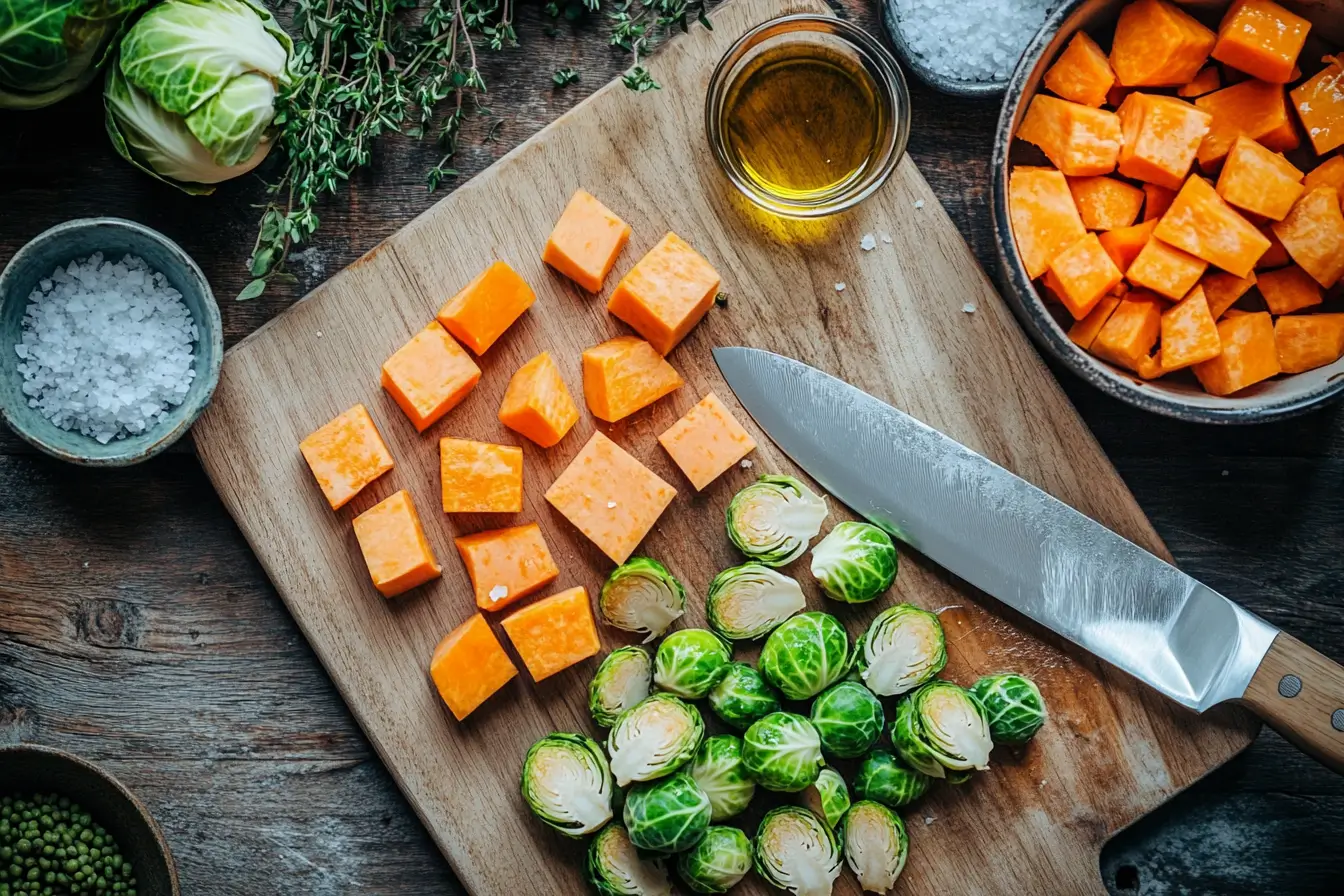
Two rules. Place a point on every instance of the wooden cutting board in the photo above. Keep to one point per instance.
(917, 323)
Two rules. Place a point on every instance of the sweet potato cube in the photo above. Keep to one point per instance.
(486, 307)
(706, 441)
(1254, 109)
(345, 455)
(1308, 341)
(1105, 203)
(1131, 332)
(1166, 270)
(1084, 332)
(586, 240)
(1082, 274)
(394, 546)
(429, 375)
(624, 374)
(1259, 181)
(478, 477)
(1320, 107)
(1125, 243)
(1157, 44)
(666, 293)
(1289, 289)
(1207, 81)
(553, 634)
(1078, 140)
(1082, 73)
(1189, 334)
(506, 565)
(1329, 173)
(1275, 256)
(610, 497)
(1150, 366)
(1248, 356)
(1161, 136)
(1313, 234)
(1222, 290)
(537, 403)
(469, 666)
(1201, 223)
(1044, 216)
(1156, 200)
(1262, 39)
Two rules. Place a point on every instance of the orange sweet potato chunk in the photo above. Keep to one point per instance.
(1289, 289)
(1082, 73)
(1308, 341)
(1249, 354)
(1125, 243)
(1207, 81)
(1222, 290)
(1201, 223)
(1078, 140)
(537, 403)
(1254, 109)
(478, 477)
(586, 240)
(553, 634)
(1262, 39)
(486, 307)
(1313, 234)
(1329, 173)
(706, 441)
(1157, 44)
(1161, 137)
(1131, 332)
(610, 497)
(1082, 274)
(1189, 334)
(1166, 270)
(429, 375)
(1105, 203)
(394, 546)
(624, 374)
(666, 293)
(469, 666)
(1156, 200)
(506, 565)
(1275, 256)
(1259, 181)
(1084, 332)
(1320, 107)
(345, 455)
(1044, 216)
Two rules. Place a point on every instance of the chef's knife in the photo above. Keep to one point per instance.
(1038, 555)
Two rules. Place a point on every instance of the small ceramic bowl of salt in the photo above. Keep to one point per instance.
(110, 342)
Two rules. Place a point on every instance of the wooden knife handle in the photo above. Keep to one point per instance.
(1300, 693)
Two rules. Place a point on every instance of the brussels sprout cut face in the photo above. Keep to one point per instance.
(806, 655)
(855, 563)
(848, 718)
(782, 752)
(796, 851)
(623, 680)
(747, 601)
(903, 648)
(654, 738)
(943, 723)
(717, 862)
(882, 778)
(876, 845)
(718, 770)
(828, 797)
(742, 696)
(616, 869)
(567, 784)
(1014, 705)
(667, 815)
(690, 662)
(773, 519)
(642, 596)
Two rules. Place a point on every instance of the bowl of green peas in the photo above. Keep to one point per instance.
(68, 828)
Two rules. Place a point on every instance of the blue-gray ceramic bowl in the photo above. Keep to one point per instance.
(115, 238)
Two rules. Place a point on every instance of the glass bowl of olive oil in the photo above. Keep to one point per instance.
(807, 115)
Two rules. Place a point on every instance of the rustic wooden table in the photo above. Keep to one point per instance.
(137, 629)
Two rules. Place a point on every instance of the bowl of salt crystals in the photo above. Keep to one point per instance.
(110, 342)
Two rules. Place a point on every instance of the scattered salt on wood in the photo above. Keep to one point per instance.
(884, 236)
(868, 243)
(746, 464)
(919, 203)
(839, 287)
(968, 308)
(979, 41)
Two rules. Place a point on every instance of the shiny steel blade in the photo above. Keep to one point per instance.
(1002, 534)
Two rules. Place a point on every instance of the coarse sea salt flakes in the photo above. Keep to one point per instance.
(979, 41)
(106, 347)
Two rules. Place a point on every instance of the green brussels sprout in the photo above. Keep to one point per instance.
(828, 796)
(958, 777)
(807, 654)
(942, 727)
(690, 662)
(641, 596)
(855, 562)
(782, 752)
(797, 851)
(747, 601)
(1014, 705)
(717, 861)
(773, 519)
(567, 783)
(667, 815)
(883, 778)
(876, 845)
(903, 648)
(717, 768)
(848, 718)
(615, 868)
(653, 738)
(742, 696)
(623, 679)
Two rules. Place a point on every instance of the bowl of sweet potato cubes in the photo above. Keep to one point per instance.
(1168, 183)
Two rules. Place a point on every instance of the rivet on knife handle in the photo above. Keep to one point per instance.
(1300, 693)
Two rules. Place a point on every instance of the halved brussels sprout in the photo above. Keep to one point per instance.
(773, 519)
(623, 679)
(903, 648)
(1014, 705)
(653, 738)
(807, 654)
(717, 861)
(876, 845)
(668, 815)
(797, 851)
(782, 752)
(958, 777)
(691, 661)
(855, 562)
(717, 768)
(747, 601)
(567, 783)
(742, 696)
(885, 779)
(848, 718)
(616, 869)
(640, 595)
(828, 796)
(942, 727)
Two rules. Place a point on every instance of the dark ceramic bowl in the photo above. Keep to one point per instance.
(113, 237)
(29, 769)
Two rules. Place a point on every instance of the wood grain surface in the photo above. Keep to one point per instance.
(1301, 693)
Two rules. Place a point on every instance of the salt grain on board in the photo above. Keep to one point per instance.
(979, 41)
(868, 243)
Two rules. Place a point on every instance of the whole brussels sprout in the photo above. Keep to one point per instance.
(667, 815)
(718, 770)
(623, 679)
(782, 752)
(855, 562)
(941, 727)
(902, 648)
(717, 861)
(747, 601)
(567, 783)
(797, 851)
(806, 655)
(653, 738)
(883, 778)
(773, 519)
(876, 845)
(615, 868)
(828, 796)
(640, 595)
(848, 718)
(742, 696)
(691, 661)
(1014, 705)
